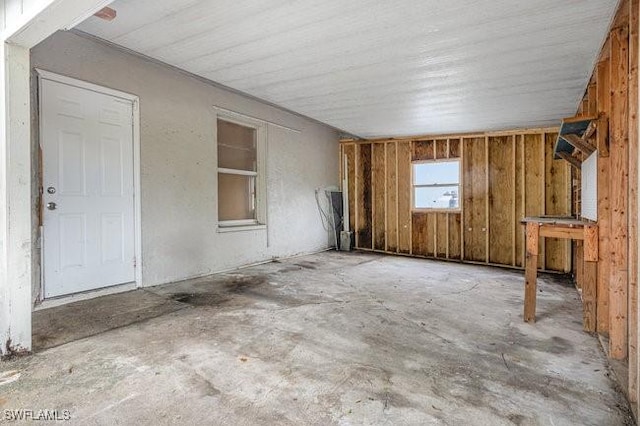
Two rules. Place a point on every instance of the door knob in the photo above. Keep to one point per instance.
(51, 206)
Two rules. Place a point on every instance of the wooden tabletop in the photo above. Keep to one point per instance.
(556, 220)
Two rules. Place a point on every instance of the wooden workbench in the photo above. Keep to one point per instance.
(566, 228)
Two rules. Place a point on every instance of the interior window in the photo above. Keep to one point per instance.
(237, 173)
(436, 185)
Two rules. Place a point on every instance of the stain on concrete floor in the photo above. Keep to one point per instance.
(332, 338)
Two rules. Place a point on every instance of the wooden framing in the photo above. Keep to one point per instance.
(530, 286)
(634, 46)
(580, 143)
(618, 297)
(505, 176)
(574, 161)
(569, 228)
(604, 211)
(420, 138)
(612, 96)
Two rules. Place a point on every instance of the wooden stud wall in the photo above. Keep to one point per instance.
(613, 93)
(618, 126)
(634, 46)
(505, 176)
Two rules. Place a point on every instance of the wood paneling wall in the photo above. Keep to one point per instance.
(505, 176)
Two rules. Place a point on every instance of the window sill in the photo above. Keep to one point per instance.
(452, 211)
(240, 228)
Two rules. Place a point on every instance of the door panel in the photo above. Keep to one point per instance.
(111, 167)
(71, 167)
(87, 146)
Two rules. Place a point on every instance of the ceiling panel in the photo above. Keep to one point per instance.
(378, 68)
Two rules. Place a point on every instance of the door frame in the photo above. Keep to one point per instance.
(137, 205)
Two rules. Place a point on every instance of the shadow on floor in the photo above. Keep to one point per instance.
(63, 324)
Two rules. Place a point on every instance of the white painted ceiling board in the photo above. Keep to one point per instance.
(381, 68)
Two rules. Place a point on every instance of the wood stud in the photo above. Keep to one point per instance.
(634, 47)
(466, 235)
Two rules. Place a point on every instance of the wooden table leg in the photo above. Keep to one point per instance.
(531, 272)
(590, 273)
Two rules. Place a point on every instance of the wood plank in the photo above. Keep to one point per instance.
(604, 101)
(455, 220)
(365, 201)
(591, 129)
(379, 188)
(442, 236)
(486, 205)
(589, 289)
(573, 161)
(404, 197)
(542, 243)
(392, 198)
(442, 149)
(422, 233)
(530, 286)
(557, 203)
(520, 199)
(577, 142)
(618, 302)
(350, 151)
(593, 99)
(602, 137)
(454, 148)
(358, 197)
(501, 202)
(562, 233)
(578, 117)
(534, 181)
(430, 234)
(604, 208)
(423, 150)
(634, 47)
(474, 199)
(468, 135)
(590, 243)
(462, 211)
(585, 106)
(447, 234)
(515, 203)
(579, 273)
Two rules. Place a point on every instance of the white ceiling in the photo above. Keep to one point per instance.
(381, 68)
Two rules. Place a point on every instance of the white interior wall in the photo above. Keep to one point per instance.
(178, 163)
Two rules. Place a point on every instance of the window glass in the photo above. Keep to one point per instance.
(436, 173)
(439, 197)
(236, 146)
(236, 197)
(436, 185)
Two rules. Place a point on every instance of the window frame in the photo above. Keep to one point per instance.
(260, 220)
(414, 186)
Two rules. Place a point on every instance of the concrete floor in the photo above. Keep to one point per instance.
(324, 339)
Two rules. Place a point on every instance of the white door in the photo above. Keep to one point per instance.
(88, 200)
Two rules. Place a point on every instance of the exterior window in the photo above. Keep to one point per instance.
(239, 173)
(436, 185)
